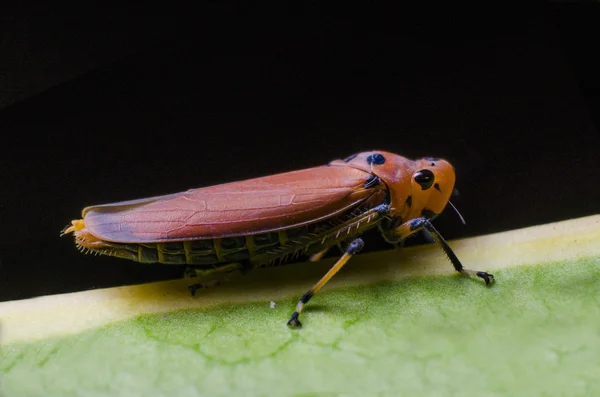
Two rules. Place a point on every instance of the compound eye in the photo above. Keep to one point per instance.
(424, 178)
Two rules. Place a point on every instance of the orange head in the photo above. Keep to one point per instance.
(417, 188)
(432, 184)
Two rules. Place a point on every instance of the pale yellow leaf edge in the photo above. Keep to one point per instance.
(55, 315)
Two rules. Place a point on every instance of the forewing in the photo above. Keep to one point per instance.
(248, 207)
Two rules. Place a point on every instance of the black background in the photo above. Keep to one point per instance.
(109, 105)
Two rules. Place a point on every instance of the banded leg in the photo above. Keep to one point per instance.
(354, 247)
(417, 224)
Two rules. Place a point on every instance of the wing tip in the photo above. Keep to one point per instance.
(76, 225)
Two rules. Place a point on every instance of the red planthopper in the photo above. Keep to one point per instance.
(261, 221)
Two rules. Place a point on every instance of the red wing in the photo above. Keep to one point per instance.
(248, 207)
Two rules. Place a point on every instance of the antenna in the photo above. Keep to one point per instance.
(457, 213)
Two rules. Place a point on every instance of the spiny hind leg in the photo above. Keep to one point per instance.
(417, 224)
(354, 247)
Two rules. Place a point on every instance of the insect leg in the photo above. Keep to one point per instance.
(209, 284)
(417, 224)
(211, 278)
(190, 272)
(317, 257)
(354, 247)
(427, 236)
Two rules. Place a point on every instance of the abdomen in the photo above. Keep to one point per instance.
(254, 249)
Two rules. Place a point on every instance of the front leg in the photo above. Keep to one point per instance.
(414, 225)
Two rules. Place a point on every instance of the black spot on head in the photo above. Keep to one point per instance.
(376, 158)
(350, 158)
(437, 187)
(409, 201)
(371, 181)
(424, 178)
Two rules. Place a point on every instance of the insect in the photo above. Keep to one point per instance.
(265, 221)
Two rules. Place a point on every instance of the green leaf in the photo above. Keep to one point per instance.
(536, 331)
